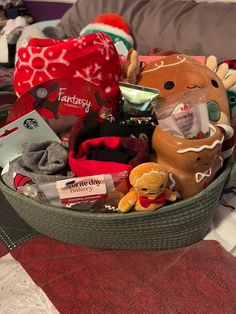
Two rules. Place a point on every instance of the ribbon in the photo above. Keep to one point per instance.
(145, 201)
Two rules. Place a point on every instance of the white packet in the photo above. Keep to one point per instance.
(184, 115)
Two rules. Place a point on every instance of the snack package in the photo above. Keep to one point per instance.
(138, 99)
(80, 192)
(140, 128)
(184, 115)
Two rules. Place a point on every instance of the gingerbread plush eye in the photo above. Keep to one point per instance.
(214, 83)
(144, 189)
(161, 186)
(199, 158)
(169, 85)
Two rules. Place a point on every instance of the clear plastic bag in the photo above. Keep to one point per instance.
(80, 193)
(184, 115)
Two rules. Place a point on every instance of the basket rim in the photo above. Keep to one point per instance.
(225, 172)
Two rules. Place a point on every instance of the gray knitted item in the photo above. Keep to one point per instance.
(40, 162)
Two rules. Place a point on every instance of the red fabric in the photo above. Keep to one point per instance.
(231, 63)
(92, 57)
(111, 142)
(114, 20)
(84, 167)
(3, 251)
(198, 279)
(81, 166)
(145, 201)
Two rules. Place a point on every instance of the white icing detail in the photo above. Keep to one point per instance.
(199, 149)
(163, 65)
(173, 183)
(201, 175)
(221, 161)
(147, 174)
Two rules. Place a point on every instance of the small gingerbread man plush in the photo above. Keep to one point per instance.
(149, 191)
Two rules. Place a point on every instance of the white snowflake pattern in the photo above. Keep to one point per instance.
(91, 73)
(42, 63)
(80, 42)
(105, 45)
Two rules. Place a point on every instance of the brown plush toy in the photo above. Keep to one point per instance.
(178, 73)
(148, 192)
(131, 67)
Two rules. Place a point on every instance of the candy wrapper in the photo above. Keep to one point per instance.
(184, 115)
(138, 99)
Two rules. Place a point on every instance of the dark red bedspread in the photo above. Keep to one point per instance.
(41, 275)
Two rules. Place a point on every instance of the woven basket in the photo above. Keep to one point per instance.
(172, 226)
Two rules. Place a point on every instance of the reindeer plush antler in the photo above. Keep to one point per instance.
(131, 67)
(222, 71)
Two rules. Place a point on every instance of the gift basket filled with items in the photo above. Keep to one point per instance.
(107, 149)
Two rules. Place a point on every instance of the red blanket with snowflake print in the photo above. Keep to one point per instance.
(92, 57)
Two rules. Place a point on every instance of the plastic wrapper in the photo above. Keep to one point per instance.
(138, 99)
(81, 193)
(184, 115)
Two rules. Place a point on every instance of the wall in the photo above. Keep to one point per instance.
(47, 9)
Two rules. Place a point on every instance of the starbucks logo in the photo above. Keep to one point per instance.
(30, 124)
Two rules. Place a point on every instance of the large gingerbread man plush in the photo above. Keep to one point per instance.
(178, 72)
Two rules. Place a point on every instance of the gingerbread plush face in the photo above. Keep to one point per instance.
(149, 180)
(177, 73)
(148, 190)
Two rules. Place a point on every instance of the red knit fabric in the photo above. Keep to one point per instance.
(81, 166)
(197, 279)
(92, 57)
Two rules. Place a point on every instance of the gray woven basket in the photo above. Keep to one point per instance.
(172, 226)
